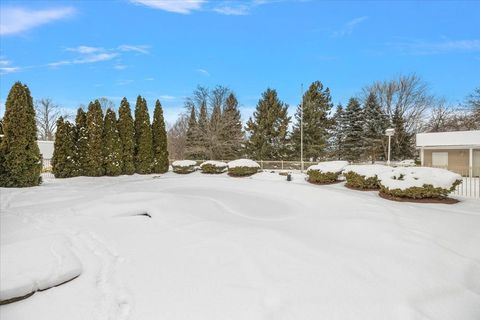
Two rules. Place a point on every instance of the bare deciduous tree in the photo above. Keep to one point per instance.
(177, 137)
(47, 113)
(106, 104)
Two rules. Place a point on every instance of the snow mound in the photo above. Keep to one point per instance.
(329, 166)
(184, 163)
(406, 163)
(243, 163)
(217, 164)
(37, 264)
(368, 171)
(404, 178)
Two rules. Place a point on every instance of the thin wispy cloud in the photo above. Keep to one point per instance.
(15, 20)
(123, 82)
(85, 49)
(7, 67)
(131, 48)
(349, 27)
(120, 67)
(167, 97)
(92, 58)
(203, 72)
(177, 6)
(239, 8)
(421, 47)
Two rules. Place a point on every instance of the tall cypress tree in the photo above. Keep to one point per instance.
(143, 138)
(402, 141)
(81, 142)
(353, 143)
(159, 134)
(232, 136)
(202, 132)
(268, 128)
(64, 154)
(213, 143)
(126, 131)
(112, 145)
(376, 122)
(20, 159)
(94, 156)
(337, 148)
(191, 148)
(316, 104)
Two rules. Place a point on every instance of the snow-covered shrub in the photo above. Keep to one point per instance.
(184, 166)
(418, 182)
(325, 172)
(364, 177)
(242, 167)
(406, 163)
(212, 166)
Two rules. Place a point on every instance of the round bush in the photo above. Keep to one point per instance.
(213, 167)
(184, 166)
(242, 167)
(315, 176)
(357, 181)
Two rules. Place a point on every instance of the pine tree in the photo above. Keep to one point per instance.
(126, 130)
(191, 141)
(353, 143)
(203, 132)
(112, 145)
(94, 154)
(337, 134)
(231, 135)
(316, 104)
(81, 142)
(20, 159)
(64, 156)
(213, 143)
(159, 134)
(402, 146)
(375, 124)
(268, 128)
(143, 138)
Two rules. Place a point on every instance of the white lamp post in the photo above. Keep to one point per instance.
(389, 133)
(301, 132)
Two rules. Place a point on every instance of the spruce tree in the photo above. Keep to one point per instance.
(202, 132)
(20, 159)
(191, 148)
(64, 156)
(375, 124)
(353, 143)
(94, 154)
(231, 136)
(337, 138)
(213, 143)
(81, 142)
(316, 104)
(159, 134)
(402, 141)
(143, 138)
(112, 145)
(268, 128)
(126, 131)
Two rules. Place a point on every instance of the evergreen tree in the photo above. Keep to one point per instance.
(20, 159)
(316, 104)
(202, 132)
(402, 141)
(376, 122)
(337, 134)
(268, 128)
(159, 134)
(191, 148)
(353, 143)
(143, 138)
(64, 156)
(231, 136)
(94, 154)
(81, 142)
(112, 145)
(213, 142)
(126, 131)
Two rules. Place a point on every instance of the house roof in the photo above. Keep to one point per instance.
(466, 139)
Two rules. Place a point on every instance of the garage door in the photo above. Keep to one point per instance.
(476, 163)
(440, 159)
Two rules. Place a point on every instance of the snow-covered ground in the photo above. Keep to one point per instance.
(218, 247)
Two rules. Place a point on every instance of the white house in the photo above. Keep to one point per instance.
(457, 151)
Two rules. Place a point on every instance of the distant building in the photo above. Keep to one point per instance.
(457, 151)
(46, 149)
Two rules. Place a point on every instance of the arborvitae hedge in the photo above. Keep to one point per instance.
(81, 142)
(126, 131)
(160, 152)
(64, 159)
(94, 156)
(143, 138)
(112, 145)
(20, 159)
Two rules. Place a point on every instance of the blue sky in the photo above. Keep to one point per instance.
(76, 51)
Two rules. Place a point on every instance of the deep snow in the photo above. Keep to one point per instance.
(218, 247)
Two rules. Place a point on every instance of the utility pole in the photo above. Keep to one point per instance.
(301, 129)
(389, 133)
